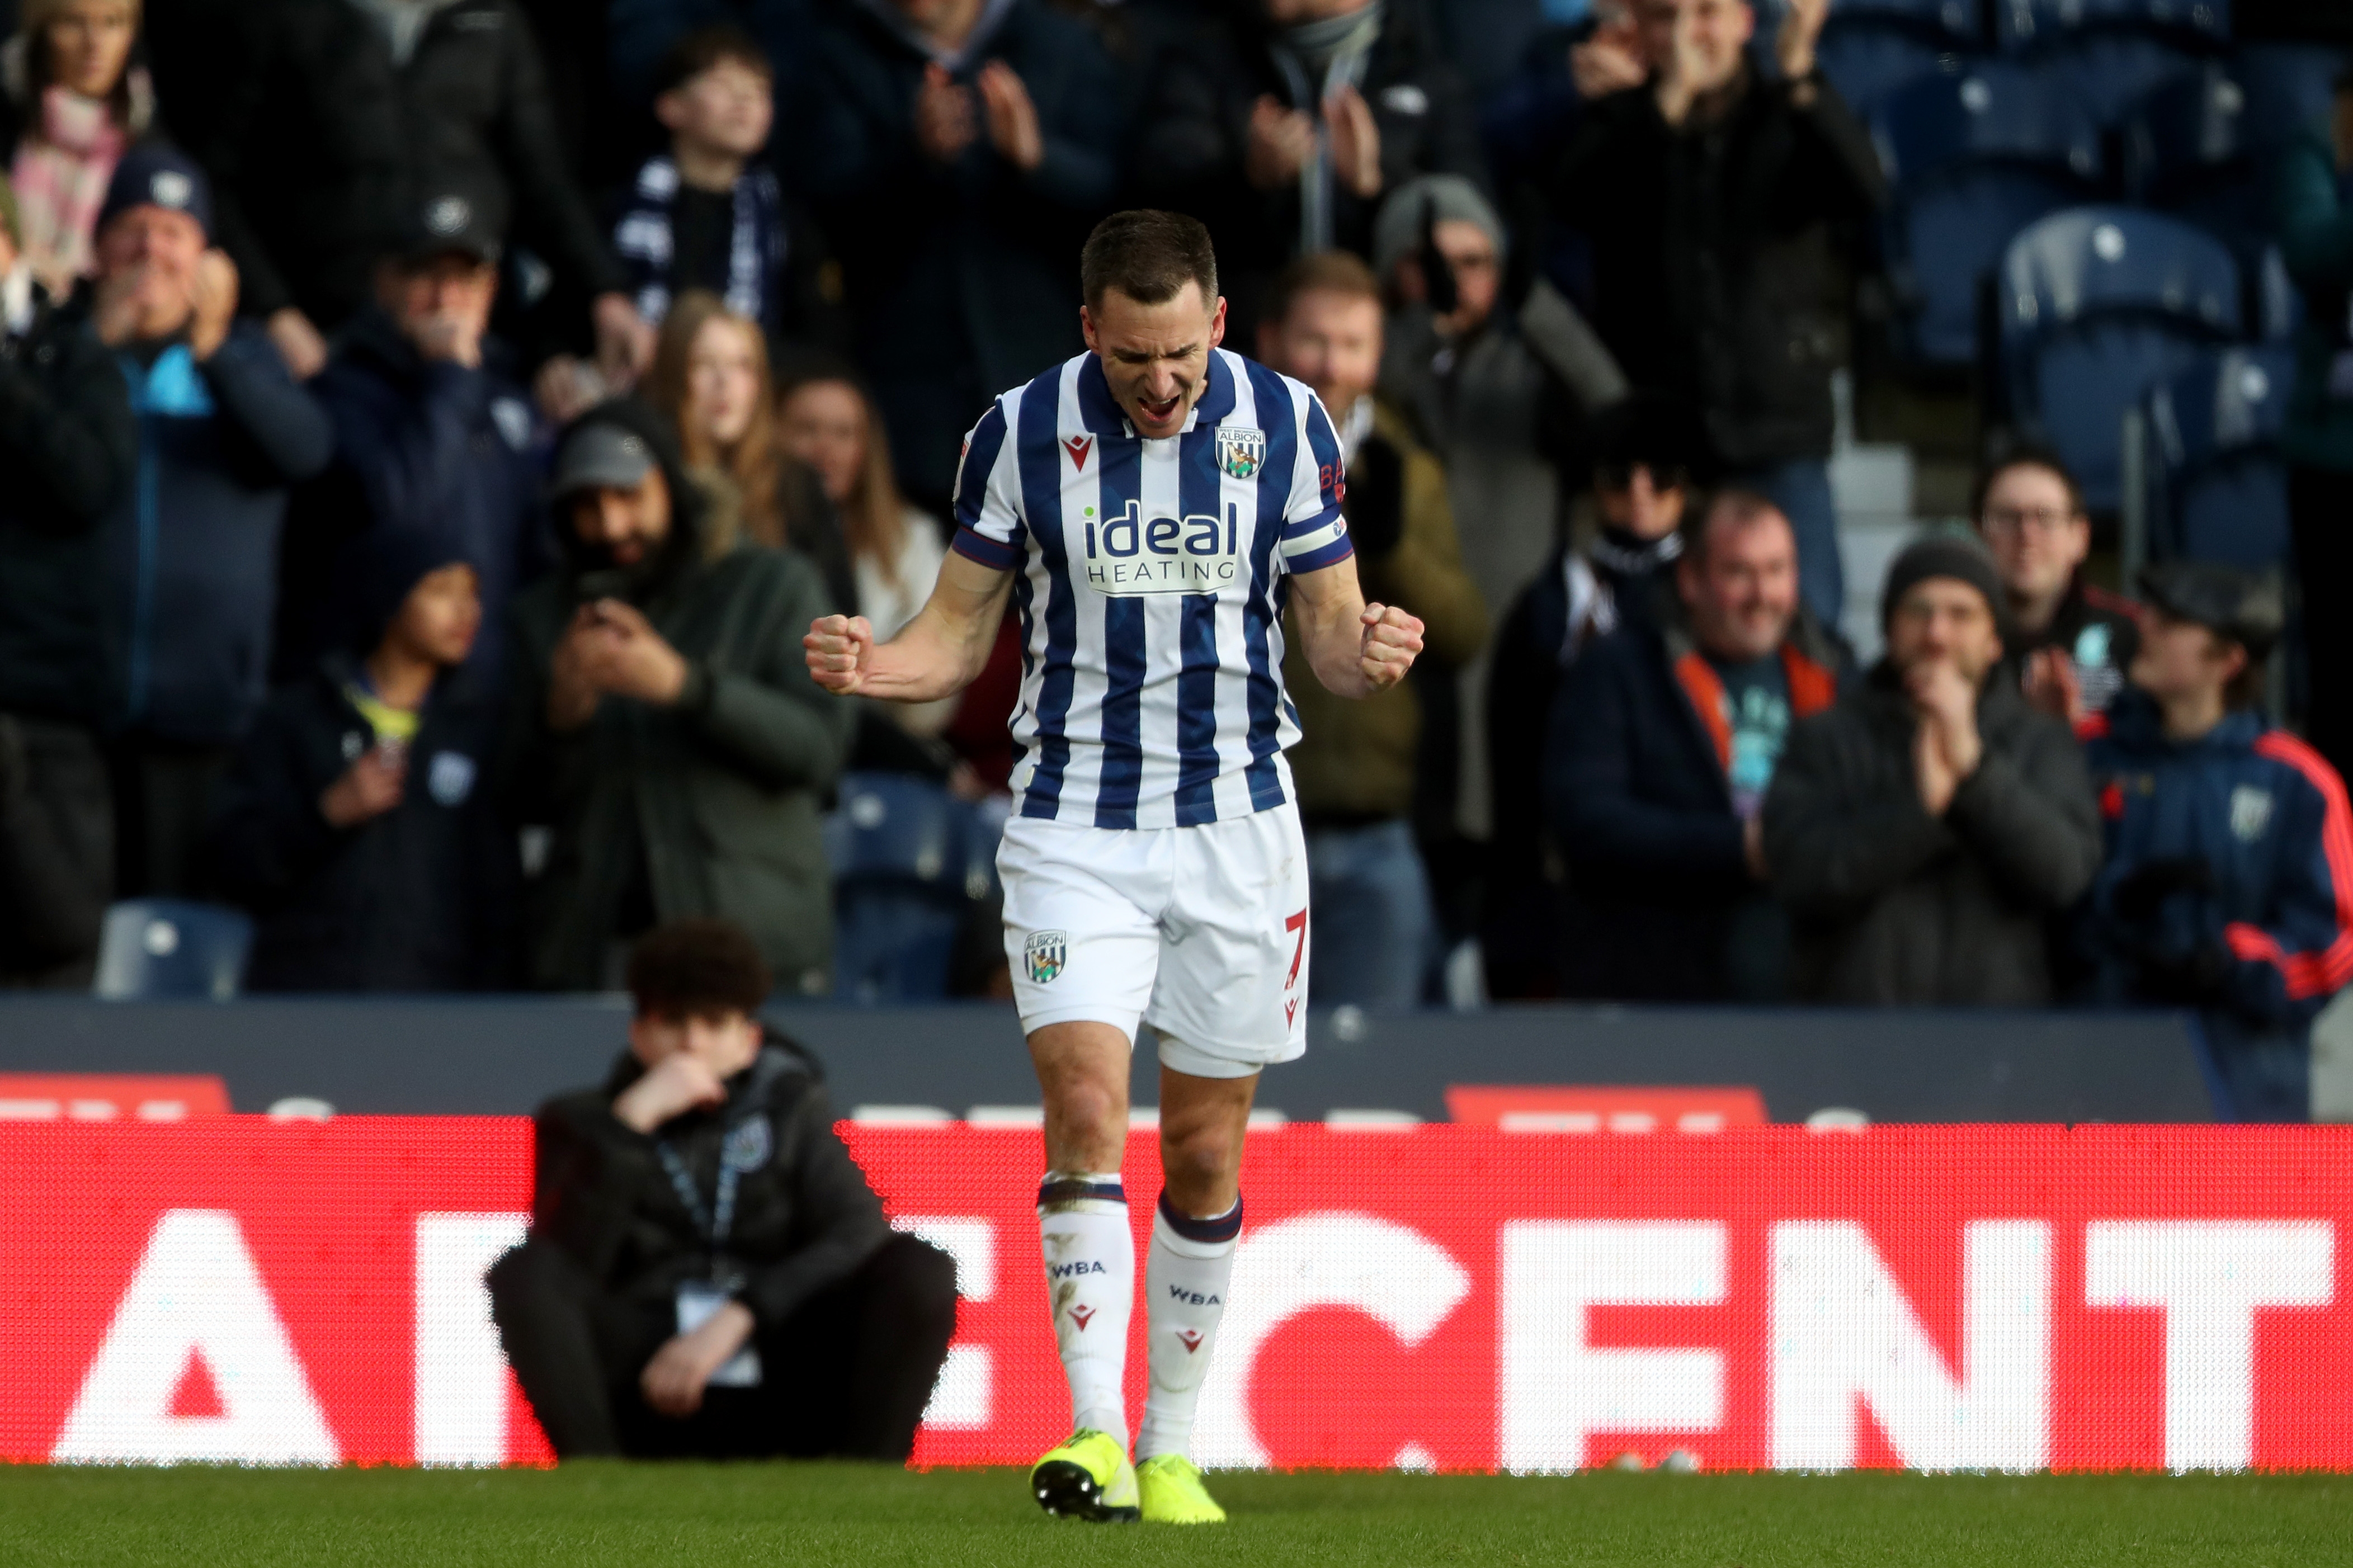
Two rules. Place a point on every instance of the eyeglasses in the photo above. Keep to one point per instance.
(2046, 520)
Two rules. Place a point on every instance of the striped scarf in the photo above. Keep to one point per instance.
(61, 176)
(756, 253)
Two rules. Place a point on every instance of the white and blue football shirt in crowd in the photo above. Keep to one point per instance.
(1149, 576)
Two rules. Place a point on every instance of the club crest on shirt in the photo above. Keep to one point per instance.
(748, 1145)
(1045, 954)
(1241, 451)
(2251, 813)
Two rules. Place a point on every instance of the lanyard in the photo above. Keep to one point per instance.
(716, 1221)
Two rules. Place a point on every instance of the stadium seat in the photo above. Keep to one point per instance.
(153, 949)
(2113, 52)
(1973, 159)
(909, 859)
(2095, 305)
(2288, 88)
(2184, 149)
(1870, 48)
(2218, 488)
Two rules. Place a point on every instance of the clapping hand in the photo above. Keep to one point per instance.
(1279, 141)
(1012, 117)
(1945, 749)
(944, 122)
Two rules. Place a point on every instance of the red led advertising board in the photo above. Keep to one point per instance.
(1449, 1297)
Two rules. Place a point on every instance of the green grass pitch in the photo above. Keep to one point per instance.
(651, 1516)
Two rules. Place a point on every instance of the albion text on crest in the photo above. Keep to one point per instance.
(1241, 451)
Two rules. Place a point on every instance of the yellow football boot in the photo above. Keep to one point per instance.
(1173, 1492)
(1089, 1477)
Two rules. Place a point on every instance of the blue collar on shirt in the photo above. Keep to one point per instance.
(1102, 415)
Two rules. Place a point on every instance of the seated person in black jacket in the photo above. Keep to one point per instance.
(357, 822)
(708, 1273)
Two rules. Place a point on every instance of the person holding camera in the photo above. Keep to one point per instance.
(669, 735)
(708, 1273)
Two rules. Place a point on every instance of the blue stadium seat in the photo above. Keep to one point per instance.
(154, 949)
(1870, 48)
(909, 859)
(2020, 26)
(2288, 88)
(2185, 149)
(2113, 52)
(2095, 305)
(2218, 488)
(1973, 159)
(1868, 63)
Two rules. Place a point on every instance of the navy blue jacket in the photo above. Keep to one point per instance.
(1637, 793)
(190, 546)
(2266, 816)
(962, 279)
(429, 445)
(419, 899)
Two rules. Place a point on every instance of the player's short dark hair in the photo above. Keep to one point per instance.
(2023, 455)
(1321, 272)
(1148, 255)
(1740, 504)
(722, 42)
(697, 969)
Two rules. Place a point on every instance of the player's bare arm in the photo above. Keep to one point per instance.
(1355, 648)
(938, 654)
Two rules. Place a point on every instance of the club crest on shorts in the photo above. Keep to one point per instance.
(1241, 451)
(1046, 954)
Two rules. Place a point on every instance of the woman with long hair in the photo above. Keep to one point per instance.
(711, 380)
(71, 102)
(828, 422)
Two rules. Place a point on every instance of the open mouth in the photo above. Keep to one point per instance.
(1160, 413)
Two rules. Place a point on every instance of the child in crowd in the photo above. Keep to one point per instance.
(707, 214)
(358, 823)
(2230, 845)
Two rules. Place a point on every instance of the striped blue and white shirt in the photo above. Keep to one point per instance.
(1150, 580)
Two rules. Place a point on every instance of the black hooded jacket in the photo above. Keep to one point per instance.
(805, 1217)
(709, 806)
(68, 443)
(420, 899)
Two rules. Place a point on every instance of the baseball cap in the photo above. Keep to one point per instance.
(2237, 605)
(455, 218)
(158, 174)
(597, 454)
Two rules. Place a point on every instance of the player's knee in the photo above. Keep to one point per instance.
(1089, 1115)
(1200, 1166)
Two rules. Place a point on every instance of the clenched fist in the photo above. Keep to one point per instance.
(1391, 639)
(839, 648)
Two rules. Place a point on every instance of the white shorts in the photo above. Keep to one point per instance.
(1199, 931)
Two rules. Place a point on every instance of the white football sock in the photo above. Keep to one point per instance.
(1190, 1269)
(1091, 1284)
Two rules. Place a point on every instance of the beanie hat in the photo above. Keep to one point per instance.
(158, 174)
(1442, 198)
(1955, 555)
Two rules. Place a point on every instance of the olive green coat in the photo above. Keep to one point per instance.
(724, 790)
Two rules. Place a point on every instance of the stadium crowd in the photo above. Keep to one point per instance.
(431, 426)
